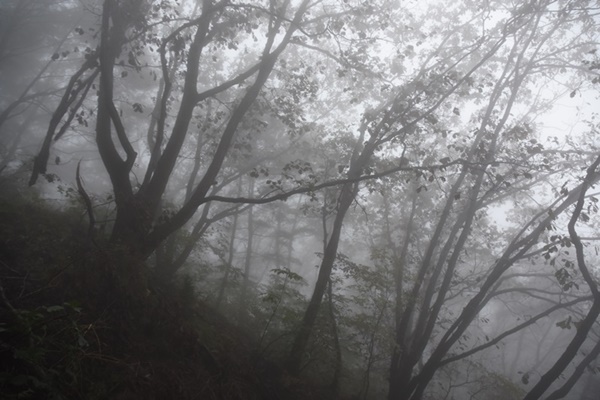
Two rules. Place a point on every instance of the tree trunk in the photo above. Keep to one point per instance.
(396, 384)
(567, 356)
(243, 303)
(229, 264)
(348, 192)
(337, 367)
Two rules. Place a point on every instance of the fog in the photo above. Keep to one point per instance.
(330, 199)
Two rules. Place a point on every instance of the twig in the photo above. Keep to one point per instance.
(87, 201)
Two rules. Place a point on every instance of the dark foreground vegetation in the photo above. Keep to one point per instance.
(72, 328)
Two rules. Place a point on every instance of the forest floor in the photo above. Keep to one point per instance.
(71, 330)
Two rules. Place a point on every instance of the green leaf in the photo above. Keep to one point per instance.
(81, 341)
(55, 308)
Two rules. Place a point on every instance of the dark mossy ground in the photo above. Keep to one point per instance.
(73, 326)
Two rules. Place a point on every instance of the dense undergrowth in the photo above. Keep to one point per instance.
(73, 326)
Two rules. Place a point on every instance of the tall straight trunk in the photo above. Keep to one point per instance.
(242, 306)
(413, 340)
(231, 252)
(396, 385)
(337, 367)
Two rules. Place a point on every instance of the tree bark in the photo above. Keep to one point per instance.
(396, 385)
(231, 252)
(243, 302)
(590, 319)
(346, 197)
(347, 194)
